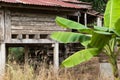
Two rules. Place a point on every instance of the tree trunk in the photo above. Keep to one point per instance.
(115, 69)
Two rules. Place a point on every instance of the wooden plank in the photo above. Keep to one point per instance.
(30, 41)
(20, 13)
(29, 16)
(2, 28)
(44, 27)
(25, 14)
(33, 31)
(7, 25)
(32, 23)
(34, 18)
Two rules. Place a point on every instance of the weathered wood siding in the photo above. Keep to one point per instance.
(26, 24)
(33, 23)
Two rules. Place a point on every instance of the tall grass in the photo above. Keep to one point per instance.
(17, 72)
(26, 72)
(85, 71)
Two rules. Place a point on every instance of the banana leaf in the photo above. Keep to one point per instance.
(80, 57)
(66, 23)
(99, 28)
(99, 39)
(117, 27)
(69, 37)
(112, 13)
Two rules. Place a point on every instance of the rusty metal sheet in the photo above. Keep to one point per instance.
(54, 3)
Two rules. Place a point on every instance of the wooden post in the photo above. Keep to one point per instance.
(66, 51)
(26, 49)
(20, 36)
(37, 36)
(2, 28)
(27, 36)
(78, 17)
(2, 58)
(7, 26)
(99, 22)
(85, 19)
(56, 55)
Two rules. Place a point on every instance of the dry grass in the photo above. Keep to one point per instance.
(17, 72)
(81, 72)
(27, 73)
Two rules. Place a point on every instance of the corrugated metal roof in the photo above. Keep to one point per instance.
(56, 3)
(71, 1)
(76, 1)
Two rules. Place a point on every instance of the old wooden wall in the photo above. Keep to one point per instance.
(24, 24)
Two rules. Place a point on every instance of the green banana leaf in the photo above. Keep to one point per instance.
(86, 31)
(80, 57)
(69, 37)
(66, 23)
(103, 33)
(99, 39)
(112, 13)
(99, 28)
(118, 41)
(117, 27)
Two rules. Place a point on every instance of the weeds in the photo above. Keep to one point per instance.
(84, 71)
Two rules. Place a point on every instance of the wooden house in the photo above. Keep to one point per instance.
(28, 23)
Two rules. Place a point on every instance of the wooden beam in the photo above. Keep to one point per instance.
(30, 41)
(36, 27)
(34, 31)
(2, 58)
(56, 55)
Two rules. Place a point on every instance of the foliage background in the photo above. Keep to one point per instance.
(98, 5)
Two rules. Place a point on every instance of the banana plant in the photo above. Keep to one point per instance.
(95, 40)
